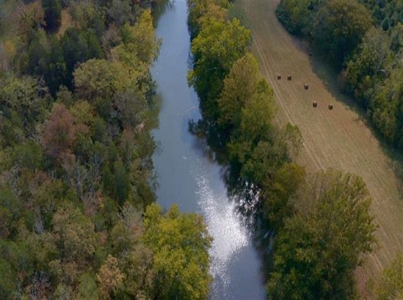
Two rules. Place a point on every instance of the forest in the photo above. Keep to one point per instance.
(362, 40)
(312, 229)
(78, 218)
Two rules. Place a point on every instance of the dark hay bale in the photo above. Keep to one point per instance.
(278, 76)
(306, 86)
(330, 106)
(289, 77)
(310, 53)
(314, 104)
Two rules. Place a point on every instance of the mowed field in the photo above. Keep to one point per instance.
(337, 138)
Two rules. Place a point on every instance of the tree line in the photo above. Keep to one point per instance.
(77, 186)
(313, 229)
(363, 40)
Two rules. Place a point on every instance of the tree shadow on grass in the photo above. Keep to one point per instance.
(329, 78)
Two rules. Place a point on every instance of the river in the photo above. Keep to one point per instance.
(186, 173)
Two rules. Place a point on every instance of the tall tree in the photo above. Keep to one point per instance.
(53, 13)
(180, 243)
(217, 47)
(240, 85)
(59, 133)
(369, 66)
(339, 27)
(327, 238)
(141, 38)
(390, 285)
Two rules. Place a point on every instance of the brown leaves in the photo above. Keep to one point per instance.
(60, 132)
(109, 277)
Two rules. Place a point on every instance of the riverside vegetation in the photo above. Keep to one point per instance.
(77, 212)
(363, 41)
(312, 229)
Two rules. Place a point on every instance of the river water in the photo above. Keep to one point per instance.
(186, 173)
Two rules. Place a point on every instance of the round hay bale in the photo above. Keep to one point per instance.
(310, 53)
(330, 106)
(278, 76)
(314, 104)
(289, 77)
(306, 86)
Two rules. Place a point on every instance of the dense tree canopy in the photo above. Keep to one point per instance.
(339, 27)
(180, 244)
(322, 244)
(53, 13)
(215, 50)
(76, 171)
(367, 69)
(368, 57)
(390, 286)
(318, 226)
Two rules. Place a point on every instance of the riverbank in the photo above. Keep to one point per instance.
(338, 138)
(186, 173)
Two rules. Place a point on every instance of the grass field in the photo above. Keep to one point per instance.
(337, 138)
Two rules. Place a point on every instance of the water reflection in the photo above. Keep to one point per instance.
(222, 221)
(187, 171)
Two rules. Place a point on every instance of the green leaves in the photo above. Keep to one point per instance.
(339, 27)
(70, 165)
(53, 13)
(141, 38)
(296, 15)
(327, 238)
(240, 86)
(180, 243)
(369, 66)
(217, 47)
(390, 285)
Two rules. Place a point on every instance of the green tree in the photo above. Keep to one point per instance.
(23, 103)
(120, 12)
(180, 244)
(327, 238)
(217, 47)
(53, 13)
(94, 79)
(386, 108)
(10, 211)
(121, 181)
(77, 46)
(200, 11)
(390, 285)
(257, 148)
(88, 289)
(38, 53)
(339, 27)
(141, 38)
(112, 87)
(76, 238)
(240, 86)
(297, 15)
(369, 65)
(279, 195)
(135, 259)
(8, 284)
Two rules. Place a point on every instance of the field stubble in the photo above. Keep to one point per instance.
(337, 138)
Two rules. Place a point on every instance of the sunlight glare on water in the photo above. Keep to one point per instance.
(223, 225)
(187, 174)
